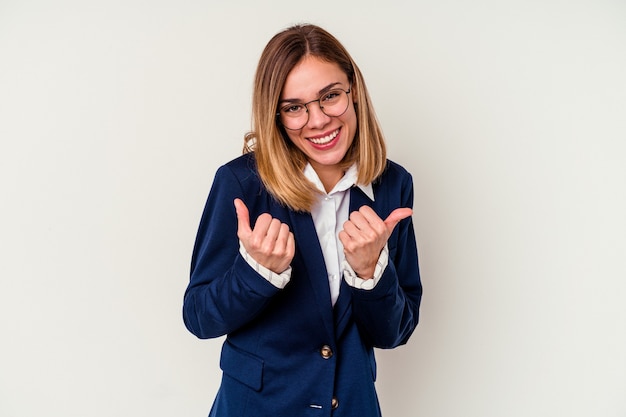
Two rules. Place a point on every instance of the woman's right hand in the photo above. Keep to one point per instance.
(270, 243)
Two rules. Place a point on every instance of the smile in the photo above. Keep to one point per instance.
(325, 139)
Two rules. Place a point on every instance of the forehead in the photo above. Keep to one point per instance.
(310, 76)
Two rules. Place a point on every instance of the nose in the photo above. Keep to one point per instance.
(317, 118)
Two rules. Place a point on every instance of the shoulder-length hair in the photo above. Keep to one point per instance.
(280, 163)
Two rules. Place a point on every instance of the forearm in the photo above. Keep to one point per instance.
(387, 314)
(214, 307)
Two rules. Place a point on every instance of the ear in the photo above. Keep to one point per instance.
(353, 92)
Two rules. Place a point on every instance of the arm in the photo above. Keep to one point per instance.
(388, 312)
(224, 291)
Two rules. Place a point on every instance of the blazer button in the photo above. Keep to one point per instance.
(326, 352)
(334, 403)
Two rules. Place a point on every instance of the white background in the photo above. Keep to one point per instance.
(511, 115)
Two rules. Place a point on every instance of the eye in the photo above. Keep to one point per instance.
(292, 109)
(331, 96)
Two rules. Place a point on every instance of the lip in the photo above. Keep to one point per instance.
(330, 144)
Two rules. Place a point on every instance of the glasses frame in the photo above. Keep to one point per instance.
(319, 103)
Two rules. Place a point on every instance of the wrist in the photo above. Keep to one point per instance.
(366, 274)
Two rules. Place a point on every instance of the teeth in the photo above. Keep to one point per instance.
(325, 139)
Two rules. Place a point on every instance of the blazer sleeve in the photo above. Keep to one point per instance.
(224, 291)
(388, 313)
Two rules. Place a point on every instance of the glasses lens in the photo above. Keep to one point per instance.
(295, 116)
(334, 103)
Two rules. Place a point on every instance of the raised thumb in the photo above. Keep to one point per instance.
(395, 216)
(243, 217)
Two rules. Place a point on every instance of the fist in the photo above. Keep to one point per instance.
(270, 243)
(365, 234)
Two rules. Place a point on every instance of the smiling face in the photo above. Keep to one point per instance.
(324, 140)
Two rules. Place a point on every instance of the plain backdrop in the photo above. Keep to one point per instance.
(511, 115)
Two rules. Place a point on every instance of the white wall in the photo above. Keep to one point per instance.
(114, 116)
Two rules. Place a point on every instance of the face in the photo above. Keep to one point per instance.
(324, 139)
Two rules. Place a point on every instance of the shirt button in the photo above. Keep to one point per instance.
(326, 352)
(334, 403)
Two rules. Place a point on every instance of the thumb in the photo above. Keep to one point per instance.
(243, 217)
(395, 216)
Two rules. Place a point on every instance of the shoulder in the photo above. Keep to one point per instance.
(237, 176)
(240, 178)
(395, 186)
(242, 164)
(243, 168)
(395, 172)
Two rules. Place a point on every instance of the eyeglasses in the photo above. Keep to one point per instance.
(294, 116)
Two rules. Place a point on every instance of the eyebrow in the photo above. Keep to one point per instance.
(321, 92)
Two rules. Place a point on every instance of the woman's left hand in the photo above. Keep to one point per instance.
(364, 236)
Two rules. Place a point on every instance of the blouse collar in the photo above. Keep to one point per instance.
(346, 182)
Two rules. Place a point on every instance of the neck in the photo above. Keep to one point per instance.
(329, 176)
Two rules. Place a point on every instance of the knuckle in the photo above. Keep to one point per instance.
(254, 241)
(267, 247)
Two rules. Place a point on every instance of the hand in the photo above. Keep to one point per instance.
(271, 243)
(364, 236)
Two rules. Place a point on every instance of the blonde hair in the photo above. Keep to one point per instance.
(279, 162)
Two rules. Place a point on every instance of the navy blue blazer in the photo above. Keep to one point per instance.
(289, 352)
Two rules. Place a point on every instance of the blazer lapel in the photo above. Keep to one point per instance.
(343, 306)
(312, 258)
(358, 199)
(335, 319)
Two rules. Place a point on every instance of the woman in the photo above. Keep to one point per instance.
(316, 263)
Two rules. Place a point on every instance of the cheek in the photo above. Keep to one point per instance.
(350, 119)
(294, 138)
